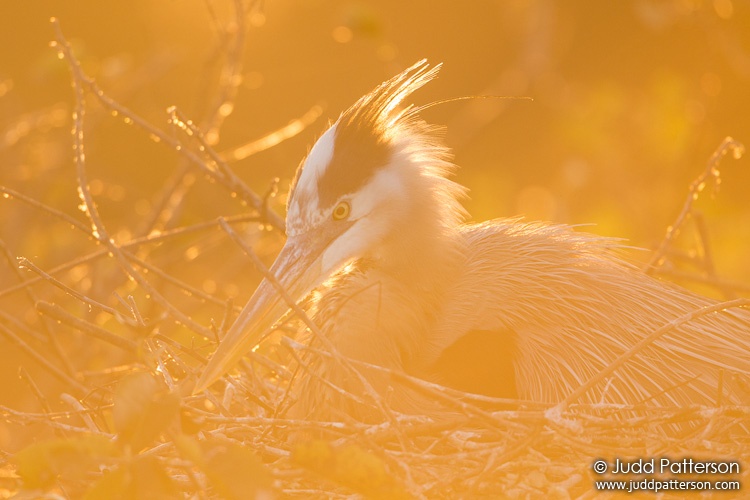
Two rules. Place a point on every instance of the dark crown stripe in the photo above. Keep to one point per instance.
(362, 144)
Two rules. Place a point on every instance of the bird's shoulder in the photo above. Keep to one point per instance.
(512, 268)
(500, 237)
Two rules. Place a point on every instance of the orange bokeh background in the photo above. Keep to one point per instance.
(629, 99)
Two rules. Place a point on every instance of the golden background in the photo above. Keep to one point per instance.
(629, 101)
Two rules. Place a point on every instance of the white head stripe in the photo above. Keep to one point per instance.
(305, 196)
(317, 161)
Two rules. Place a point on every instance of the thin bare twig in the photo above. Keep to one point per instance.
(230, 76)
(696, 187)
(729, 286)
(52, 339)
(34, 354)
(84, 82)
(150, 239)
(58, 313)
(24, 374)
(81, 411)
(9, 194)
(23, 262)
(274, 138)
(98, 230)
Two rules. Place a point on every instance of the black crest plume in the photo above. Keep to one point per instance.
(362, 141)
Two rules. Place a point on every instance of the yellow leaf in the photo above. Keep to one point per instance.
(351, 466)
(143, 409)
(40, 464)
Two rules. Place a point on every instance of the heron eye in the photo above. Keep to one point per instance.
(341, 211)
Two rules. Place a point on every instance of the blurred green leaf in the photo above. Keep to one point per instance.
(189, 448)
(190, 423)
(364, 21)
(351, 466)
(143, 478)
(235, 471)
(143, 409)
(40, 464)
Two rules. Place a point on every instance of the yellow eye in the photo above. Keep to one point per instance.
(342, 210)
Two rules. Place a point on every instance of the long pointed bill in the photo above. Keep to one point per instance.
(298, 271)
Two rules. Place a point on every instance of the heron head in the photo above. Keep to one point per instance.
(352, 190)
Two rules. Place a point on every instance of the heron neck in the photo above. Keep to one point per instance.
(424, 255)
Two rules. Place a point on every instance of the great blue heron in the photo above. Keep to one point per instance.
(504, 308)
